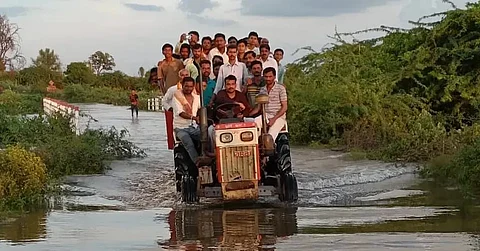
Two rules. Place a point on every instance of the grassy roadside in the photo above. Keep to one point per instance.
(411, 95)
(38, 152)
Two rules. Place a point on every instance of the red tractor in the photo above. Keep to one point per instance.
(248, 162)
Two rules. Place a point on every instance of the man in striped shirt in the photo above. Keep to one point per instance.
(255, 81)
(276, 109)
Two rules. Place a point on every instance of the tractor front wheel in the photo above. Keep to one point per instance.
(288, 188)
(189, 189)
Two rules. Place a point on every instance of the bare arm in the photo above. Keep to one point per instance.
(186, 115)
(255, 110)
(160, 78)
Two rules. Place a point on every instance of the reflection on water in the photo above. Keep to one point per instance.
(28, 228)
(242, 229)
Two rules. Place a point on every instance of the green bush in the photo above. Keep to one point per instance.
(462, 168)
(64, 152)
(23, 173)
(37, 78)
(18, 103)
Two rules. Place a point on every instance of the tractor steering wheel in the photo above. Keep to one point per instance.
(230, 113)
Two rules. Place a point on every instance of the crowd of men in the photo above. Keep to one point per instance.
(232, 72)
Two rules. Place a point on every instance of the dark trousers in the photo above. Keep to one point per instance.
(134, 108)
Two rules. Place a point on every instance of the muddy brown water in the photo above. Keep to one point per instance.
(343, 205)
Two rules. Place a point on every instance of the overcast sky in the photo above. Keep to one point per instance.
(133, 31)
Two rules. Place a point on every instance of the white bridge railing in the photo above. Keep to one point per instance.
(155, 104)
(51, 106)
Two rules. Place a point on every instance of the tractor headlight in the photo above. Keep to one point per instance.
(226, 137)
(246, 136)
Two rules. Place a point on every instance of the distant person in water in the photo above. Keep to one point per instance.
(134, 102)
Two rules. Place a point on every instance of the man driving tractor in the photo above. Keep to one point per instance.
(230, 95)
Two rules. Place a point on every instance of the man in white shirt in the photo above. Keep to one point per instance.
(232, 67)
(219, 49)
(186, 124)
(267, 60)
(167, 100)
(253, 42)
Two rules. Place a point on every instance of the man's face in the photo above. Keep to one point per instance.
(232, 53)
(241, 48)
(249, 59)
(188, 87)
(230, 86)
(216, 69)
(220, 42)
(206, 70)
(278, 56)
(207, 44)
(184, 53)
(256, 70)
(197, 53)
(153, 77)
(167, 52)
(264, 52)
(264, 41)
(193, 39)
(232, 41)
(269, 78)
(184, 74)
(253, 40)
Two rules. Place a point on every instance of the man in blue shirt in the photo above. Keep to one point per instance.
(208, 84)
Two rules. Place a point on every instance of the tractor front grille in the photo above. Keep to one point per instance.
(238, 163)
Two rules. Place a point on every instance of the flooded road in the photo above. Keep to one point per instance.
(343, 205)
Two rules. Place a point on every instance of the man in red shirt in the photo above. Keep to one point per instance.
(134, 102)
(229, 95)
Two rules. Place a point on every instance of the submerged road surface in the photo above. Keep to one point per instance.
(343, 205)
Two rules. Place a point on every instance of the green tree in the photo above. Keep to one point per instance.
(101, 62)
(79, 73)
(141, 72)
(47, 59)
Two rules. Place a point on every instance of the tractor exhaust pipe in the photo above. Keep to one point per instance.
(267, 143)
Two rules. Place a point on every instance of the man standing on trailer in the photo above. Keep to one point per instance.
(268, 60)
(168, 69)
(232, 67)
